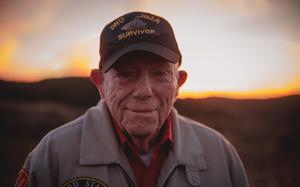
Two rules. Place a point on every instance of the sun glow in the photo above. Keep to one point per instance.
(232, 49)
(258, 94)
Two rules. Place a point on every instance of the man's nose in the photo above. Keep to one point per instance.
(143, 88)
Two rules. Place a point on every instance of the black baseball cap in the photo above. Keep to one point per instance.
(137, 31)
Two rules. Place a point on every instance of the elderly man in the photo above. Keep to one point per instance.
(134, 136)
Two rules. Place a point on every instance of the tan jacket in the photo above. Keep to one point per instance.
(85, 152)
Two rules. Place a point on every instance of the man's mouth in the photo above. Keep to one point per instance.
(142, 110)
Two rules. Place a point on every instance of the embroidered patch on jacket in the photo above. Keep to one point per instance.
(84, 182)
(22, 180)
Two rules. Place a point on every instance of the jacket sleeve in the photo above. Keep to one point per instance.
(39, 167)
(236, 168)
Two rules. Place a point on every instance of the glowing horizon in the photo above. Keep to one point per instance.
(237, 49)
(185, 94)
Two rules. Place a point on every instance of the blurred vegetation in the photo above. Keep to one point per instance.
(266, 133)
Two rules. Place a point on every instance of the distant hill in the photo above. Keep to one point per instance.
(74, 91)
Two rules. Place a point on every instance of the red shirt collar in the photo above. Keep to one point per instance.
(165, 135)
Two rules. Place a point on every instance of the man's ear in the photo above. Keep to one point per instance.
(96, 77)
(182, 76)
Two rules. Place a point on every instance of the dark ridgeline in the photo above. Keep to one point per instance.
(72, 91)
(266, 132)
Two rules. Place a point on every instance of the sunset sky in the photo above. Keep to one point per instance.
(233, 48)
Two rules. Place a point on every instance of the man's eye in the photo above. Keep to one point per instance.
(161, 73)
(128, 74)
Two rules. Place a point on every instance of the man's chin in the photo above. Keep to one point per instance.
(142, 114)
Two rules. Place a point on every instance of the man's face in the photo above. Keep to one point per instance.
(140, 91)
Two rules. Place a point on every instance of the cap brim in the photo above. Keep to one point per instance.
(160, 50)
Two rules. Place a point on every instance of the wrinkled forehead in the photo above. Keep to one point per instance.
(140, 58)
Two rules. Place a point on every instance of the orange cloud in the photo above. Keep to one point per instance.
(7, 50)
(77, 66)
(8, 47)
(16, 22)
(294, 74)
(12, 69)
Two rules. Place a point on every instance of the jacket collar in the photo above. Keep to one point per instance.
(188, 150)
(99, 144)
